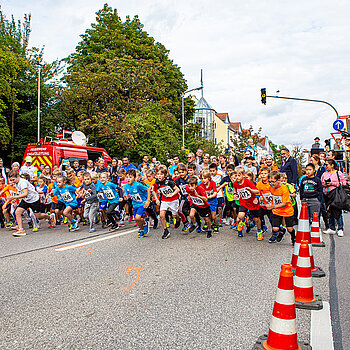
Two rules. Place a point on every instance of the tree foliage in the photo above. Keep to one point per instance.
(298, 154)
(276, 149)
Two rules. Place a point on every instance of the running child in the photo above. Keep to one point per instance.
(265, 196)
(217, 178)
(101, 198)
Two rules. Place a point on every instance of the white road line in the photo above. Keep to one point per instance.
(321, 337)
(87, 243)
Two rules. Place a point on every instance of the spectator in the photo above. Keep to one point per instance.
(270, 163)
(101, 167)
(90, 166)
(3, 171)
(199, 157)
(41, 168)
(289, 166)
(126, 164)
(190, 158)
(251, 148)
(28, 168)
(76, 167)
(15, 166)
(114, 171)
(176, 160)
(317, 143)
(145, 160)
(205, 164)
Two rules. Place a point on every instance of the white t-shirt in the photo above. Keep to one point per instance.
(33, 195)
(30, 170)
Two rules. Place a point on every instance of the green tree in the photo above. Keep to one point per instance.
(298, 154)
(276, 149)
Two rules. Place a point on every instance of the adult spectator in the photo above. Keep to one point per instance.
(90, 166)
(76, 167)
(199, 157)
(3, 171)
(270, 163)
(262, 160)
(190, 158)
(251, 148)
(126, 163)
(317, 143)
(101, 167)
(114, 171)
(289, 166)
(15, 166)
(176, 161)
(331, 179)
(145, 160)
(205, 164)
(28, 168)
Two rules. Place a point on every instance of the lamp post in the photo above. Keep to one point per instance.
(39, 71)
(183, 113)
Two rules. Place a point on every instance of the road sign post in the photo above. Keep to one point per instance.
(338, 125)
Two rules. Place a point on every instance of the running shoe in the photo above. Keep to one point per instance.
(205, 227)
(104, 224)
(65, 220)
(199, 228)
(220, 223)
(167, 224)
(114, 228)
(19, 233)
(280, 236)
(166, 234)
(30, 224)
(234, 226)
(264, 228)
(92, 230)
(74, 227)
(140, 235)
(186, 227)
(216, 229)
(9, 224)
(177, 223)
(52, 220)
(155, 223)
(260, 235)
(240, 233)
(146, 228)
(273, 238)
(241, 224)
(209, 234)
(130, 218)
(192, 228)
(36, 228)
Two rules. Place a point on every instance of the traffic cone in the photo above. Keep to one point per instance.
(283, 329)
(303, 288)
(303, 234)
(315, 232)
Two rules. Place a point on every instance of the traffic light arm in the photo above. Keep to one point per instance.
(308, 100)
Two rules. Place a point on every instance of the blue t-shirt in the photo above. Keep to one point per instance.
(172, 169)
(130, 166)
(101, 197)
(67, 195)
(110, 191)
(137, 192)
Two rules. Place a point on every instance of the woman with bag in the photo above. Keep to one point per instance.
(331, 179)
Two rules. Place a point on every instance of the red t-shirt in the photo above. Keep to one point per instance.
(166, 189)
(199, 202)
(210, 189)
(245, 196)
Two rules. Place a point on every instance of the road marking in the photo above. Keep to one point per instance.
(321, 337)
(129, 269)
(94, 240)
(69, 245)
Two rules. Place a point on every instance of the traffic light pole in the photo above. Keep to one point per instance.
(308, 100)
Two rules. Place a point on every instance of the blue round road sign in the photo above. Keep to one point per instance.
(338, 125)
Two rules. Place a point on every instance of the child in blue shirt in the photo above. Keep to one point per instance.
(101, 198)
(140, 195)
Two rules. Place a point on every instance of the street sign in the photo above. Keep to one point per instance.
(344, 117)
(338, 125)
(337, 135)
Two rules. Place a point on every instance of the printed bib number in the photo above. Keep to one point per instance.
(66, 196)
(266, 198)
(183, 190)
(229, 190)
(87, 194)
(166, 191)
(277, 200)
(109, 194)
(197, 201)
(244, 193)
(136, 197)
(100, 196)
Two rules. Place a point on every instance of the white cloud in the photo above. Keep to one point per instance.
(300, 48)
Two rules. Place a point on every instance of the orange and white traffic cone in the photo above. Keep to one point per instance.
(303, 288)
(304, 234)
(315, 232)
(283, 329)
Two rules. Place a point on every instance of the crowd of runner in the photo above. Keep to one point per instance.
(203, 195)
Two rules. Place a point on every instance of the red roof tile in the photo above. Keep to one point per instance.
(222, 116)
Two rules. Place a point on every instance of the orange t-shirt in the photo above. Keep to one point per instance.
(77, 182)
(54, 198)
(273, 168)
(265, 193)
(281, 195)
(9, 190)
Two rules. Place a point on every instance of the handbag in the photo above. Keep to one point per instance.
(341, 199)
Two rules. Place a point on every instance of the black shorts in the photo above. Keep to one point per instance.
(264, 211)
(36, 206)
(254, 213)
(276, 220)
(221, 202)
(203, 212)
(60, 206)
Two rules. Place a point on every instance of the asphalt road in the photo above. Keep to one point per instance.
(70, 290)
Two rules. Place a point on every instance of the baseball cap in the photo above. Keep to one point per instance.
(316, 138)
(28, 159)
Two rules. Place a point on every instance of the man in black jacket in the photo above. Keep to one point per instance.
(289, 166)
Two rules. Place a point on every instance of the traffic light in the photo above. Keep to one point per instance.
(263, 96)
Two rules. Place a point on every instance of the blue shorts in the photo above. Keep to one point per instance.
(213, 204)
(79, 203)
(103, 205)
(139, 211)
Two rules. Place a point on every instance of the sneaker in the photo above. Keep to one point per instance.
(114, 228)
(241, 224)
(329, 231)
(9, 224)
(146, 229)
(92, 230)
(155, 223)
(240, 233)
(205, 227)
(130, 218)
(109, 224)
(166, 234)
(280, 236)
(229, 222)
(36, 229)
(58, 222)
(65, 220)
(199, 228)
(260, 235)
(264, 228)
(186, 227)
(220, 223)
(140, 235)
(104, 224)
(192, 228)
(14, 226)
(273, 238)
(167, 224)
(340, 233)
(234, 226)
(98, 219)
(177, 223)
(85, 223)
(209, 234)
(74, 227)
(216, 229)
(52, 220)
(19, 233)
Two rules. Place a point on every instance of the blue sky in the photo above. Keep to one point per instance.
(298, 47)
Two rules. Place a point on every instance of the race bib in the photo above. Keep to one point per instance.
(229, 190)
(67, 197)
(266, 198)
(109, 194)
(166, 191)
(244, 193)
(197, 201)
(100, 196)
(87, 194)
(277, 200)
(136, 197)
(183, 190)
